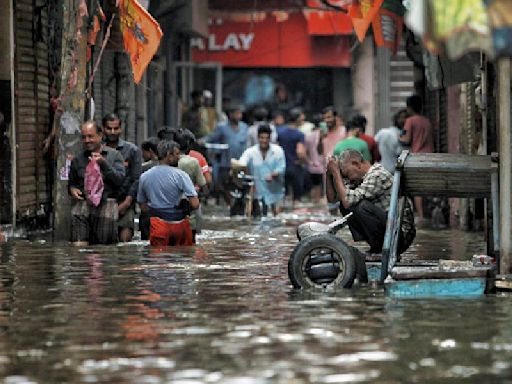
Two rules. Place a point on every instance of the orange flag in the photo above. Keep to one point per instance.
(141, 35)
(362, 13)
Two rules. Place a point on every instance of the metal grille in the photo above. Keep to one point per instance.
(436, 110)
(31, 104)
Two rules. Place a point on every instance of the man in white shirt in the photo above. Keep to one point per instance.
(266, 163)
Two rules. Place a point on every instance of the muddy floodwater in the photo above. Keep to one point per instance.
(224, 312)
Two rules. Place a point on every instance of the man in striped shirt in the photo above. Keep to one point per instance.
(365, 190)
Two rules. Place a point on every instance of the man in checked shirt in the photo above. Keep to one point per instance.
(354, 185)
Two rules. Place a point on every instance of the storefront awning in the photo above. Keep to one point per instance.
(326, 22)
(269, 39)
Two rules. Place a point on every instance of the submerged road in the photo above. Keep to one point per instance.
(224, 312)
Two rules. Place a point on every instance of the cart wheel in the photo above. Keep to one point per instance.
(320, 261)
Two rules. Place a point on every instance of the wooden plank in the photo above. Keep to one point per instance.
(27, 112)
(24, 42)
(26, 103)
(26, 67)
(24, 94)
(23, 24)
(30, 178)
(26, 200)
(27, 179)
(24, 9)
(42, 56)
(25, 156)
(43, 75)
(29, 162)
(504, 282)
(26, 76)
(26, 58)
(42, 69)
(24, 34)
(27, 146)
(25, 52)
(24, 84)
(26, 137)
(42, 78)
(471, 164)
(43, 87)
(43, 110)
(27, 128)
(456, 287)
(26, 119)
(22, 18)
(412, 273)
(24, 4)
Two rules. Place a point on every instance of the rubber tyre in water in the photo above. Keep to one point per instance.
(321, 261)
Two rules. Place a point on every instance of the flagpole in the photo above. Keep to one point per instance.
(100, 55)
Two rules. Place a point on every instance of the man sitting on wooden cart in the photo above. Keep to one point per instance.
(354, 185)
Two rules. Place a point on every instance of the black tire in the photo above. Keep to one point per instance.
(320, 261)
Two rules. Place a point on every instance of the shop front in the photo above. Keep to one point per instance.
(305, 52)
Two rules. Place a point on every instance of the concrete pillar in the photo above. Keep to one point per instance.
(73, 63)
(505, 163)
(383, 107)
(363, 80)
(453, 99)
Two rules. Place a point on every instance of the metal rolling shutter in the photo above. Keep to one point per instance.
(31, 104)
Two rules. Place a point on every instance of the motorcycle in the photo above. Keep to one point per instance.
(242, 195)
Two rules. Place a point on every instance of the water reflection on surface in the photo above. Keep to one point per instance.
(224, 312)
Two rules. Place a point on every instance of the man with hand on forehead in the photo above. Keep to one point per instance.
(354, 185)
(94, 215)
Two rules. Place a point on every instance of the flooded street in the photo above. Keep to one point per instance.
(224, 312)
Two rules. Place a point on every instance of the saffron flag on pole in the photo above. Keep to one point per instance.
(362, 13)
(389, 24)
(141, 35)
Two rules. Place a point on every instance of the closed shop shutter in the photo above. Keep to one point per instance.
(31, 104)
(435, 109)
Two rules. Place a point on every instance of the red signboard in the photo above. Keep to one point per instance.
(325, 22)
(276, 39)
